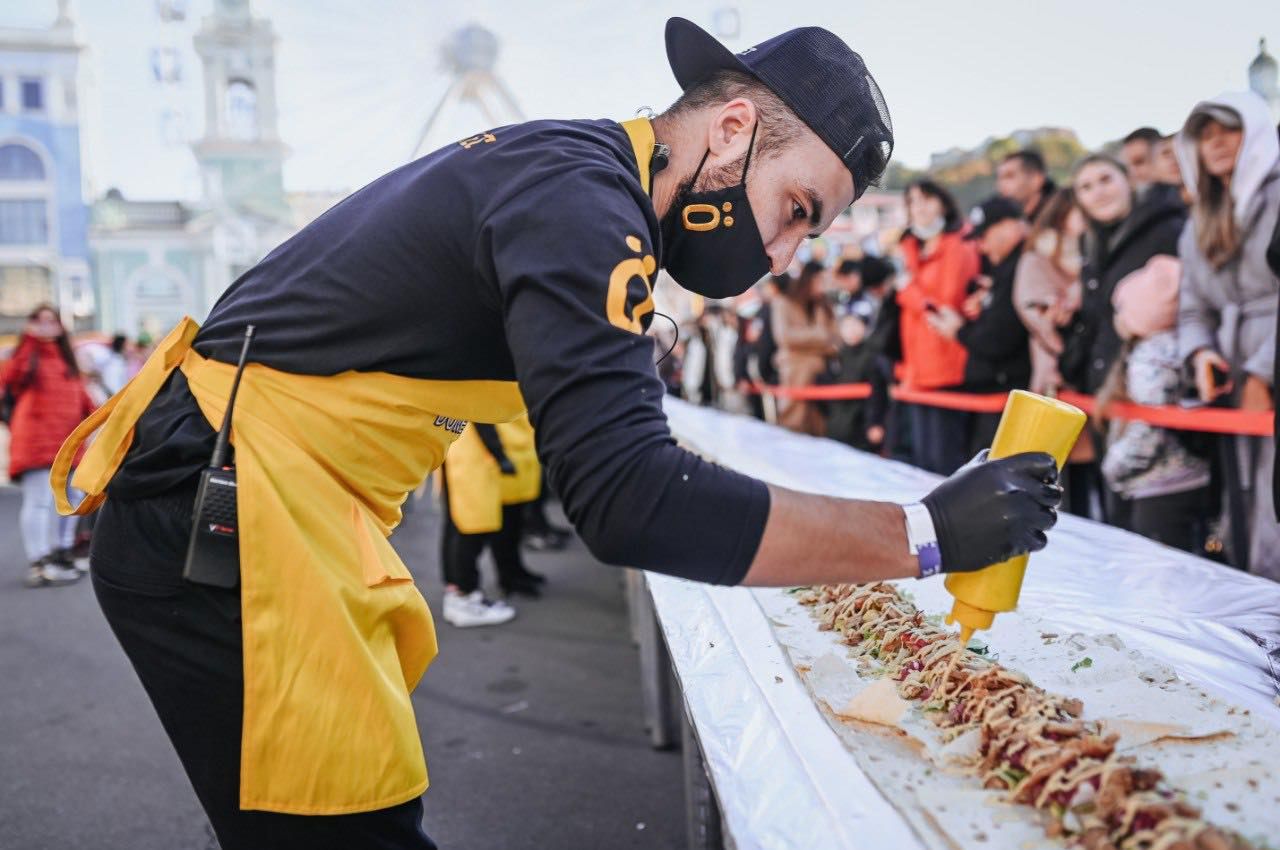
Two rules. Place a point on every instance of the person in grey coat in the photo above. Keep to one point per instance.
(1230, 160)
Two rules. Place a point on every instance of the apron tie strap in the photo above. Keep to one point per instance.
(117, 418)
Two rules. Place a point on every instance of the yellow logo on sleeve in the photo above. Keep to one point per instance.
(479, 138)
(620, 284)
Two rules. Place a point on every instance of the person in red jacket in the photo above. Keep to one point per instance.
(50, 401)
(940, 264)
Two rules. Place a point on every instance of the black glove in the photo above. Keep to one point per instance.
(505, 466)
(991, 510)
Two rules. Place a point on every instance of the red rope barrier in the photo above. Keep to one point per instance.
(1212, 420)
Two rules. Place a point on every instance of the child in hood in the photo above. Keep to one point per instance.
(1164, 484)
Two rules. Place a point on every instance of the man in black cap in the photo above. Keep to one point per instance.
(513, 268)
(996, 341)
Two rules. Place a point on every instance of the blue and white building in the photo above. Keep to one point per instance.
(44, 251)
(157, 260)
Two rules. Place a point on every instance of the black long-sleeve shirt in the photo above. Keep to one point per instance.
(527, 253)
(996, 341)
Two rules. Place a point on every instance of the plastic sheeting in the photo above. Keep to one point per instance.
(782, 776)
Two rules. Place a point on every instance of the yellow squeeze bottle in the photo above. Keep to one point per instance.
(1030, 423)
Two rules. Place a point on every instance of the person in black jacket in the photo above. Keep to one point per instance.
(1124, 233)
(1125, 230)
(993, 335)
(879, 278)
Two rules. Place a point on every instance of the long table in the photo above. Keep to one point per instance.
(764, 768)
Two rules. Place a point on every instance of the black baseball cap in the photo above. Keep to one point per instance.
(814, 73)
(875, 271)
(992, 211)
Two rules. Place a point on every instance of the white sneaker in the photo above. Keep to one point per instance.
(55, 574)
(474, 610)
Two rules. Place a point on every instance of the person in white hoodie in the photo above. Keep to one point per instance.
(1230, 160)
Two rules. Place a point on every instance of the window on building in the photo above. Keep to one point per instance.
(166, 65)
(160, 300)
(24, 222)
(23, 288)
(19, 162)
(242, 110)
(32, 95)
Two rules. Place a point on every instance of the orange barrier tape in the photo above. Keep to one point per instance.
(1212, 420)
(972, 402)
(817, 392)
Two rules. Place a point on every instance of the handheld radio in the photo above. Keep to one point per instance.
(213, 555)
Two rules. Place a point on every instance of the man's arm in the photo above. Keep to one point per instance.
(571, 278)
(987, 512)
(812, 539)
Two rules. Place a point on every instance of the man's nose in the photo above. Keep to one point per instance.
(781, 251)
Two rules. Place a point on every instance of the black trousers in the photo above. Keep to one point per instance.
(939, 438)
(460, 553)
(1176, 520)
(184, 642)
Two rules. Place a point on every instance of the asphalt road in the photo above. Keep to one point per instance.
(532, 730)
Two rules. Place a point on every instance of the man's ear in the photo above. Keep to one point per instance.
(731, 129)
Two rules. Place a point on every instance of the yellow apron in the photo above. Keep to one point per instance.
(335, 633)
(477, 488)
(517, 442)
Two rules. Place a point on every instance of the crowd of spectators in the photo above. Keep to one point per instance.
(1150, 276)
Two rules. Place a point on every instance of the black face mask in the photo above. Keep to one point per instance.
(710, 242)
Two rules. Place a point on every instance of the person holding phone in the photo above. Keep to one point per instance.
(50, 399)
(940, 263)
(1230, 160)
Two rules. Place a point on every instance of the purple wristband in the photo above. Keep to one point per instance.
(930, 558)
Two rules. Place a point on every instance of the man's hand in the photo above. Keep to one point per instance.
(1204, 362)
(991, 510)
(945, 321)
(972, 305)
(983, 514)
(1255, 395)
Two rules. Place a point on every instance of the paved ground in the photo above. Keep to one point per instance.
(532, 731)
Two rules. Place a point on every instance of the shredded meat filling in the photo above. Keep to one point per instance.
(1033, 744)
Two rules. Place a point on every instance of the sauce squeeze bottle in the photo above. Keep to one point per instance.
(1030, 423)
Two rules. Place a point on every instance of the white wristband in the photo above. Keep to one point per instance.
(922, 539)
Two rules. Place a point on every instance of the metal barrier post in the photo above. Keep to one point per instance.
(702, 812)
(656, 678)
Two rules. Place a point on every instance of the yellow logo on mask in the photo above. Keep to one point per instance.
(620, 284)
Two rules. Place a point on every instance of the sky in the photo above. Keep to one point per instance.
(357, 79)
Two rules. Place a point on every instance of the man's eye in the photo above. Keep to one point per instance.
(798, 213)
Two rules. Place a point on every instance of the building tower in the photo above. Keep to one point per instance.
(1263, 79)
(240, 155)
